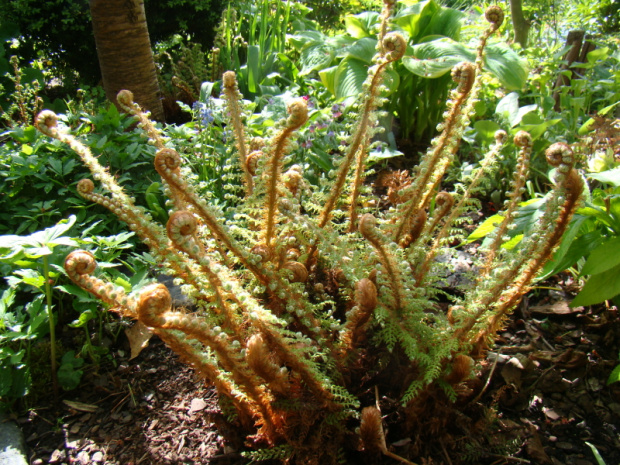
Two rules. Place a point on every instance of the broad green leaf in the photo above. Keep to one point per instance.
(598, 288)
(603, 258)
(436, 57)
(254, 67)
(306, 39)
(346, 79)
(328, 78)
(364, 49)
(513, 242)
(536, 130)
(571, 249)
(361, 25)
(27, 149)
(508, 106)
(485, 228)
(587, 126)
(316, 57)
(485, 131)
(506, 65)
(416, 18)
(447, 22)
(614, 376)
(608, 177)
(598, 54)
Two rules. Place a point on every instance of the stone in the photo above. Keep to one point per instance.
(12, 444)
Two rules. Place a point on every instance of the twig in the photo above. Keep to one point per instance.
(486, 385)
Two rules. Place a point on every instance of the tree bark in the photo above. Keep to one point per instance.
(519, 23)
(577, 53)
(125, 54)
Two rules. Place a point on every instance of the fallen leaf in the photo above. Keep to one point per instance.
(80, 406)
(559, 307)
(139, 336)
(197, 405)
(535, 449)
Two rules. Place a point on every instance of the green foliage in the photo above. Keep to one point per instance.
(69, 373)
(38, 186)
(308, 306)
(61, 30)
(252, 42)
(419, 85)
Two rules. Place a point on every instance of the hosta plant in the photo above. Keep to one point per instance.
(317, 313)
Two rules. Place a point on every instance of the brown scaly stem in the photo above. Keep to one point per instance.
(523, 140)
(432, 169)
(298, 111)
(154, 309)
(396, 45)
(232, 97)
(456, 210)
(182, 228)
(79, 265)
(368, 229)
(513, 281)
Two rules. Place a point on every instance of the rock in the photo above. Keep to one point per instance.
(12, 445)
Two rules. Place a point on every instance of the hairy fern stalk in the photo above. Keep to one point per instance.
(316, 316)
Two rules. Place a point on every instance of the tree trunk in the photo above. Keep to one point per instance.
(578, 52)
(519, 23)
(124, 51)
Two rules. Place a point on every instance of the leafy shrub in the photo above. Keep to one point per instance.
(62, 30)
(314, 315)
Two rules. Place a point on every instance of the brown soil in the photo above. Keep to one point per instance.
(548, 390)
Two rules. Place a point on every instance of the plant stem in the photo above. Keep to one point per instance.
(48, 296)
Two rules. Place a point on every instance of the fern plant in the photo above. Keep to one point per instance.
(316, 313)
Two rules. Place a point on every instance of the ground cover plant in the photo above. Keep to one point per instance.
(316, 314)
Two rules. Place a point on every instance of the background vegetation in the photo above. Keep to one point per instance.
(279, 50)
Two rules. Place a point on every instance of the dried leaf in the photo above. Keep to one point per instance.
(80, 406)
(197, 405)
(535, 449)
(139, 336)
(556, 308)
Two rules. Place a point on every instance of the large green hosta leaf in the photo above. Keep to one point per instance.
(346, 79)
(437, 56)
(429, 18)
(362, 25)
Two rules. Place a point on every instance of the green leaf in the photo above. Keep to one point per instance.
(416, 18)
(603, 258)
(506, 65)
(485, 131)
(508, 106)
(485, 228)
(254, 67)
(609, 177)
(346, 79)
(598, 288)
(614, 376)
(361, 25)
(316, 57)
(364, 49)
(68, 374)
(83, 320)
(436, 56)
(597, 455)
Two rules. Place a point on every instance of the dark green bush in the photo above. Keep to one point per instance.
(62, 31)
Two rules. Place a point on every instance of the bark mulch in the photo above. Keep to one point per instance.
(546, 380)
